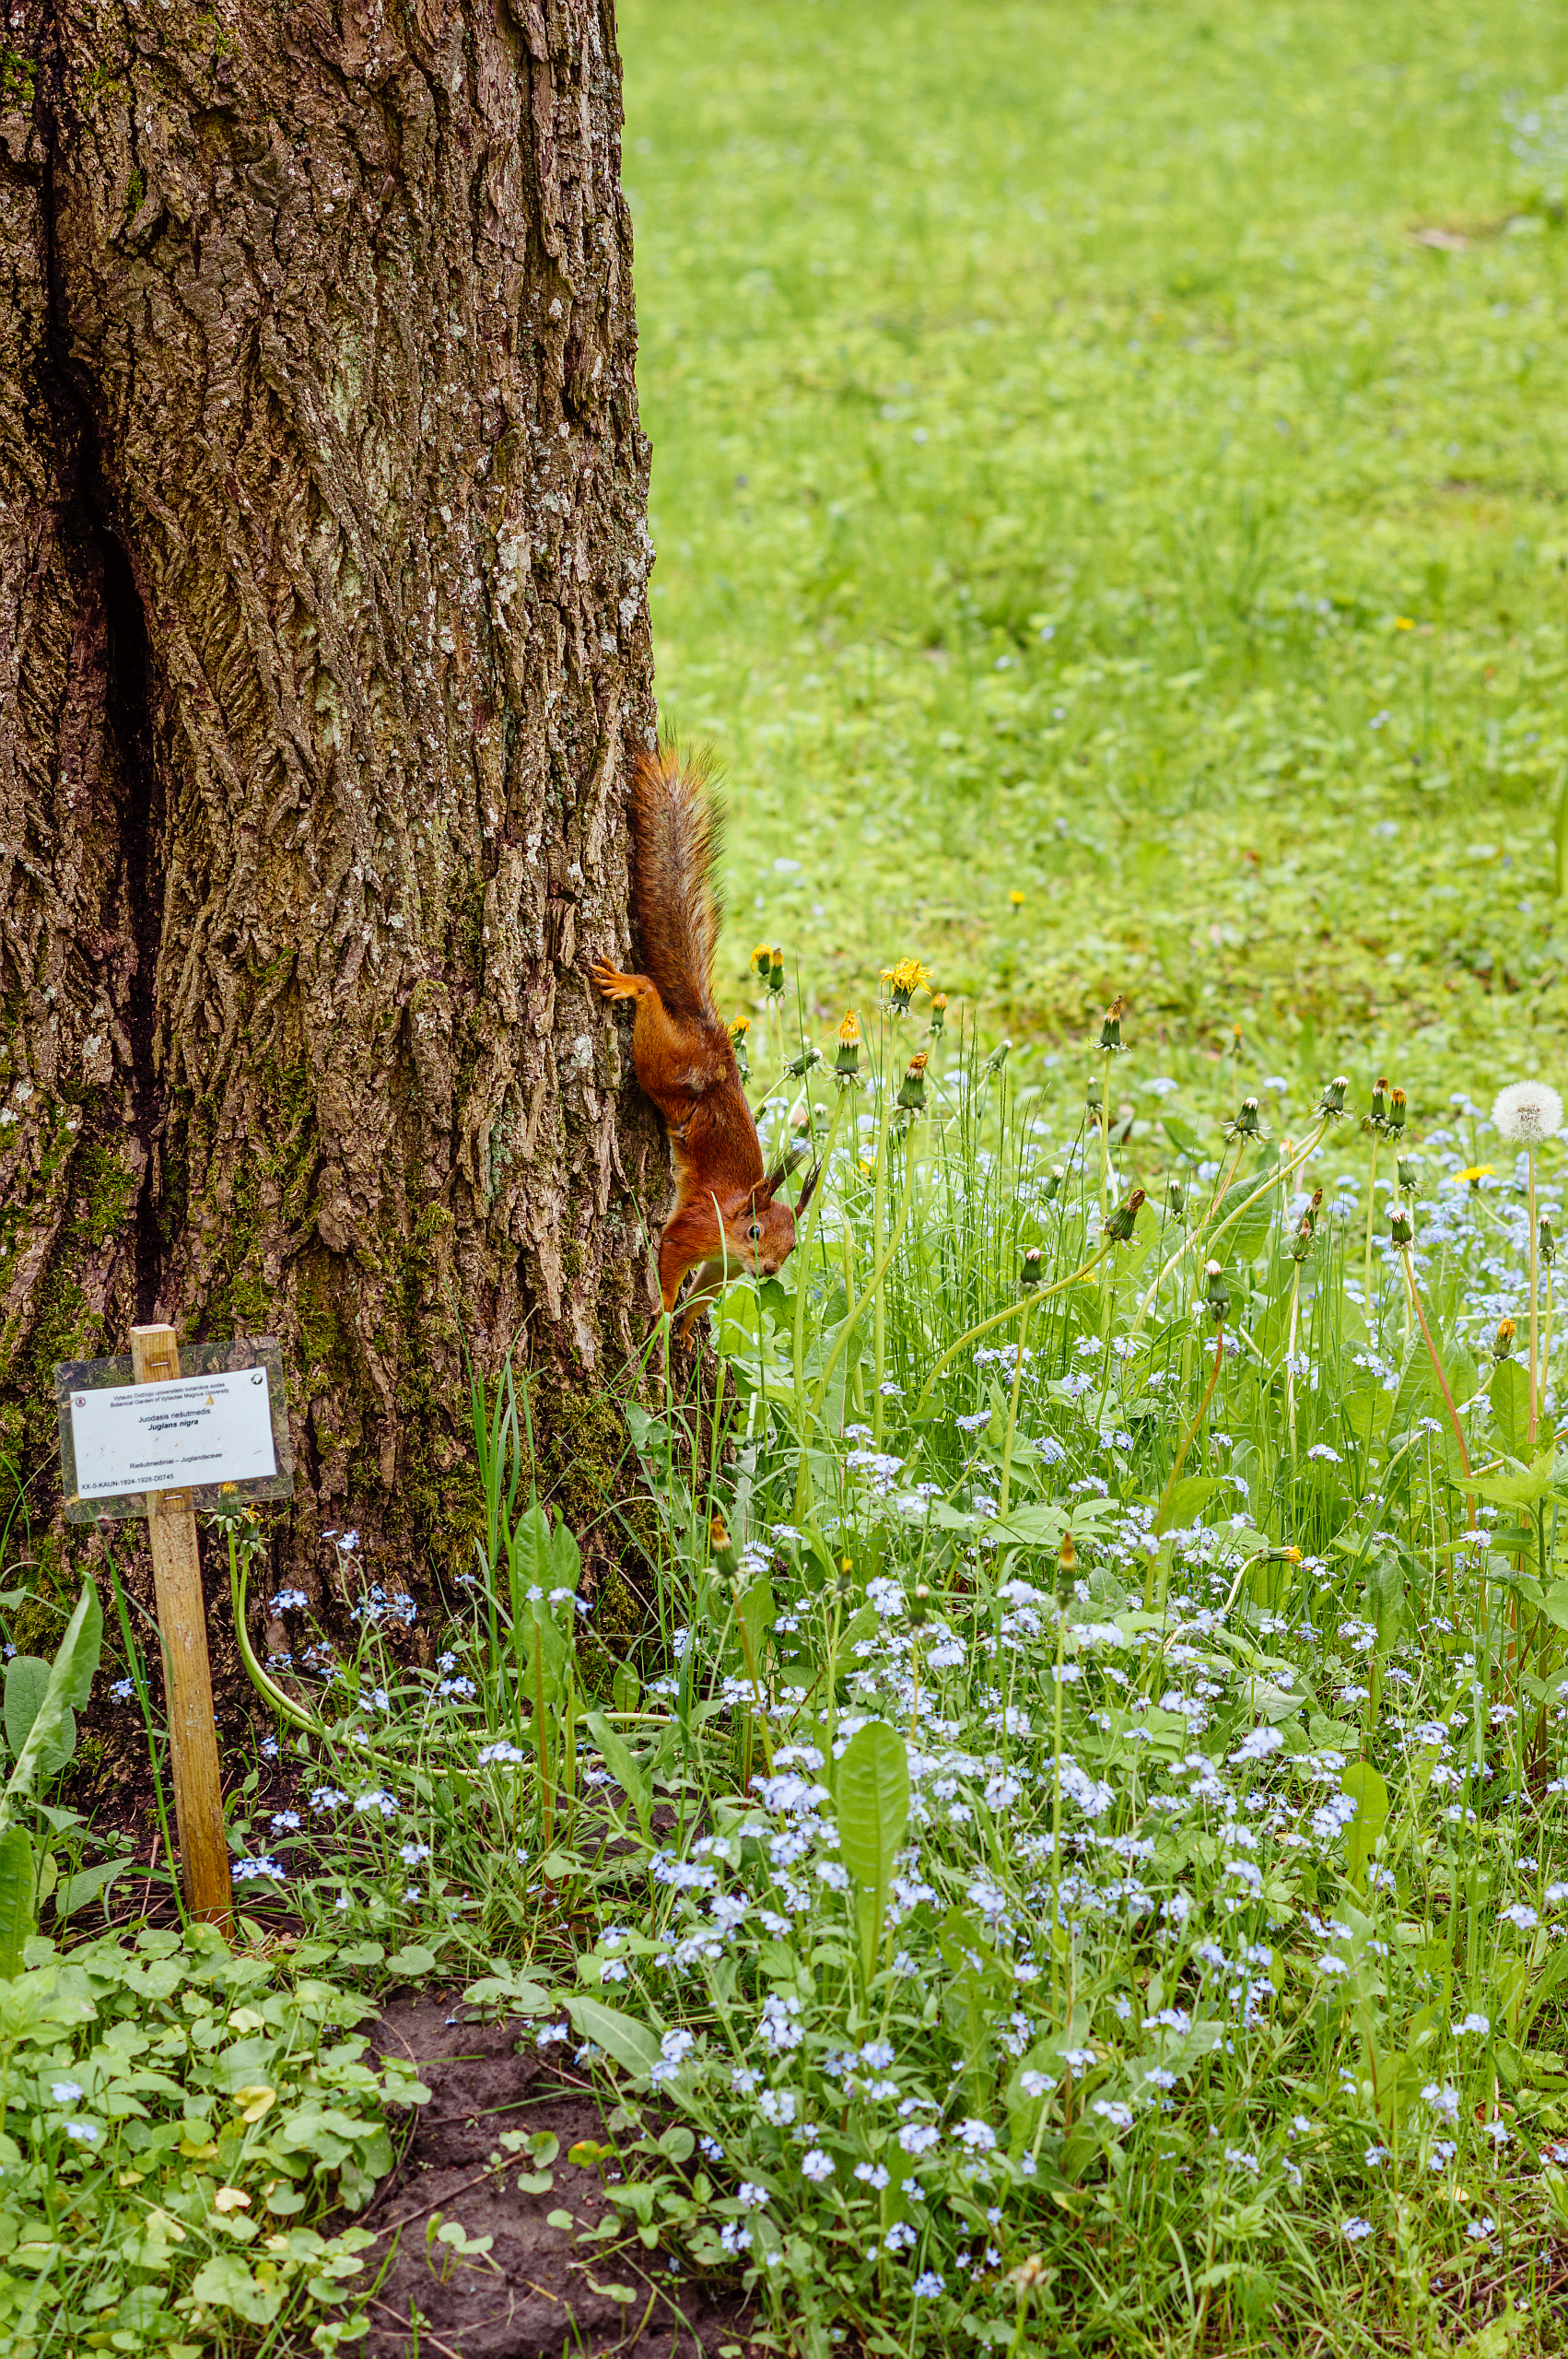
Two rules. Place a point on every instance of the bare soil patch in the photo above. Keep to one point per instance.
(535, 2293)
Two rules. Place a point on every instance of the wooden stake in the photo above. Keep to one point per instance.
(181, 1620)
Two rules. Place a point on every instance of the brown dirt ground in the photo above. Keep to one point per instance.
(534, 2295)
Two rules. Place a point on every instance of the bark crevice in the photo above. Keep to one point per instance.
(127, 719)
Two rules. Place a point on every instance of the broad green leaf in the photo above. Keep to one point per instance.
(618, 1760)
(1364, 1786)
(87, 1884)
(27, 1684)
(226, 2283)
(77, 1658)
(872, 1790)
(1188, 1498)
(1525, 1489)
(1557, 1605)
(1244, 1239)
(543, 1657)
(756, 1615)
(1509, 1393)
(626, 1689)
(628, 2043)
(411, 1963)
(508, 1989)
(1185, 1142)
(79, 1652)
(16, 1898)
(565, 1559)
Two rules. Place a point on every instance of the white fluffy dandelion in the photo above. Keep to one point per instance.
(1528, 1113)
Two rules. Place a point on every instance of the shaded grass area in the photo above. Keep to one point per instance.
(1078, 475)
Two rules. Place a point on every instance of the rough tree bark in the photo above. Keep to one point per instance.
(324, 655)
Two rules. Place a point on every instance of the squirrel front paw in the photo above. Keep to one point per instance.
(613, 984)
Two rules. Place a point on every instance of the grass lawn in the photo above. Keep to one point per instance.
(1112, 456)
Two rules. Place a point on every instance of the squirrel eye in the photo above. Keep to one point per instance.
(754, 1231)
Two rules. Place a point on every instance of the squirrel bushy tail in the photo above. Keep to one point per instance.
(678, 830)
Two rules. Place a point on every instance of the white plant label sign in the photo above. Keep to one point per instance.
(192, 1432)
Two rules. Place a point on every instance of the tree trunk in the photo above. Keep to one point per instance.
(323, 657)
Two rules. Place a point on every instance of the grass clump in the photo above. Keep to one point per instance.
(1089, 1838)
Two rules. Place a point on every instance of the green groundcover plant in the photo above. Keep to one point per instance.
(181, 2118)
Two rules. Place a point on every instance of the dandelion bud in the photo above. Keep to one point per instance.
(1301, 1243)
(1396, 1110)
(849, 1066)
(1379, 1114)
(1032, 1269)
(1401, 1228)
(1249, 1122)
(719, 1543)
(738, 1031)
(1548, 1240)
(1118, 1224)
(919, 1602)
(1050, 1186)
(1502, 1341)
(1216, 1293)
(1066, 1555)
(1331, 1104)
(1175, 1196)
(912, 1088)
(939, 1012)
(1314, 1207)
(798, 1067)
(1405, 1173)
(998, 1057)
(1093, 1099)
(762, 961)
(1110, 1030)
(844, 1588)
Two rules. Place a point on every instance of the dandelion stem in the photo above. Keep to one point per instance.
(1530, 1431)
(813, 1409)
(1546, 1339)
(1290, 1362)
(1196, 1235)
(802, 1245)
(1442, 1381)
(1056, 1805)
(1366, 1259)
(1014, 1310)
(1013, 1412)
(1159, 1524)
(879, 1207)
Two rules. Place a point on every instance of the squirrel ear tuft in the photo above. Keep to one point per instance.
(813, 1175)
(771, 1185)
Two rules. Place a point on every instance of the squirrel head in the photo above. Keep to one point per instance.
(761, 1233)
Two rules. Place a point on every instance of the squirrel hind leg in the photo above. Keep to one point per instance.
(712, 1279)
(616, 985)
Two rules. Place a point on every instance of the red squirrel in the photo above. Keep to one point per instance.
(728, 1216)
